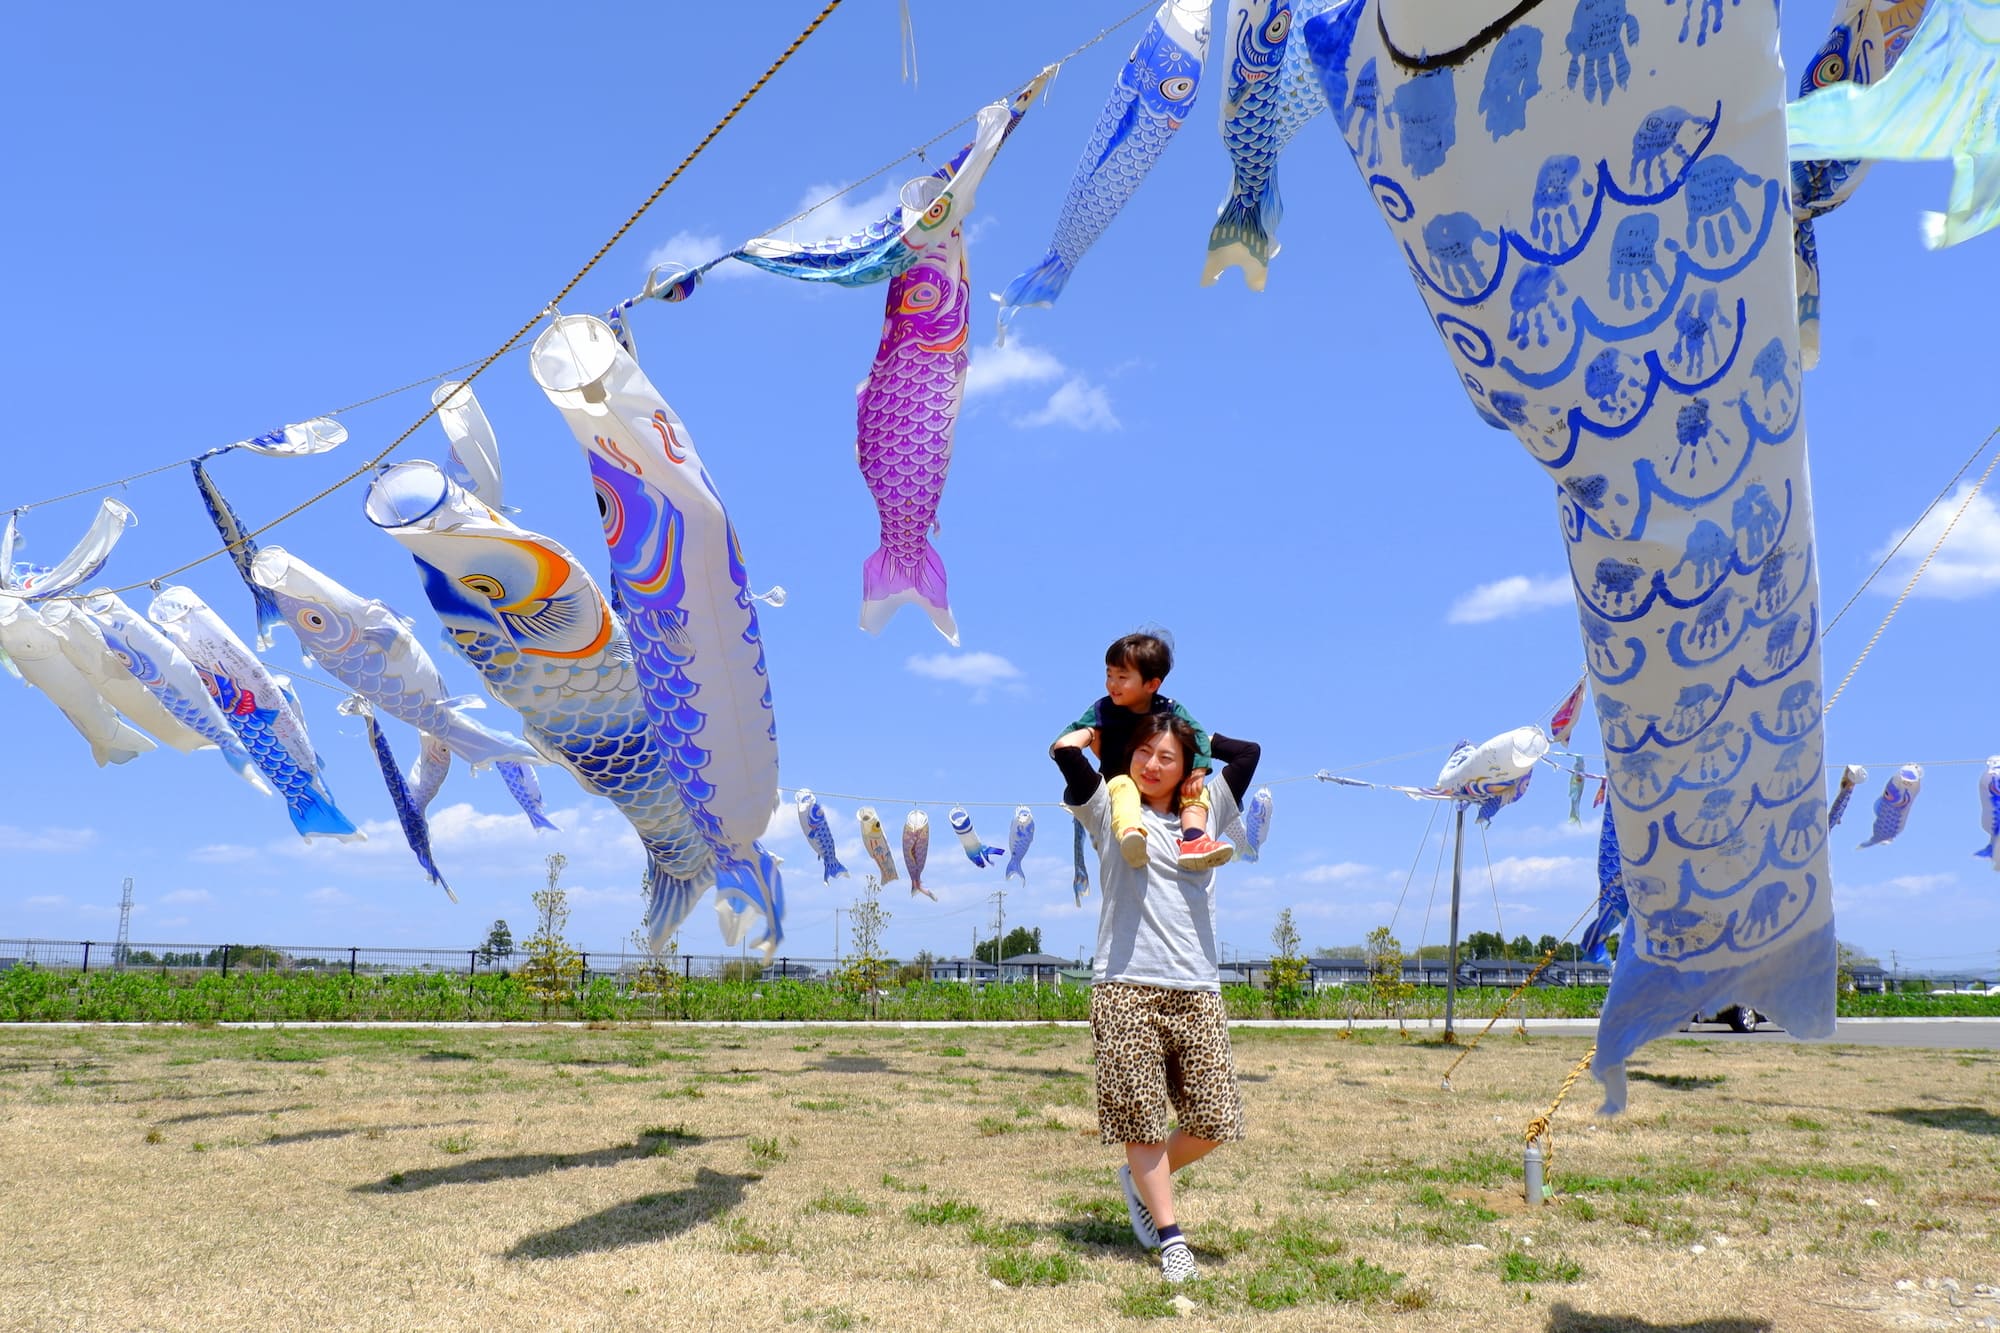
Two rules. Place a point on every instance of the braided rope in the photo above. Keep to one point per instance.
(1910, 587)
(1547, 957)
(369, 467)
(1542, 1127)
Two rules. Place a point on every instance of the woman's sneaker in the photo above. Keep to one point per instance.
(1142, 1217)
(1204, 853)
(1177, 1262)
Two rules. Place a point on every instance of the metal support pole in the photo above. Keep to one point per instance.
(225, 960)
(352, 955)
(471, 961)
(1451, 976)
(86, 955)
(687, 967)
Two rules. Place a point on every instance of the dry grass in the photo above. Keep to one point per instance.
(821, 1178)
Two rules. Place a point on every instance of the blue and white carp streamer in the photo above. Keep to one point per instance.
(1892, 807)
(819, 835)
(1592, 203)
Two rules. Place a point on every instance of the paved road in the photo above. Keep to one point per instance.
(1937, 1034)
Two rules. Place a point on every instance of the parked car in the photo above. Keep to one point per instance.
(1740, 1018)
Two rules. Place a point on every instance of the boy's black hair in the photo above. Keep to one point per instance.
(1148, 654)
(1154, 725)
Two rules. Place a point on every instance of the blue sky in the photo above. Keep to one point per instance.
(225, 225)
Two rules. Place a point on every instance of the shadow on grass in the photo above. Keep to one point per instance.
(1052, 1072)
(484, 1170)
(1964, 1119)
(640, 1221)
(193, 1116)
(1568, 1319)
(1678, 1082)
(852, 1064)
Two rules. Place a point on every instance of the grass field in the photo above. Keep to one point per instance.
(825, 1178)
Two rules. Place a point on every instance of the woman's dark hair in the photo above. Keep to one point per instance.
(1154, 725)
(1147, 654)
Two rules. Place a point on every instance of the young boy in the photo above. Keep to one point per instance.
(1134, 667)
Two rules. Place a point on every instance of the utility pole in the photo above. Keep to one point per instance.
(124, 927)
(836, 935)
(999, 927)
(1895, 970)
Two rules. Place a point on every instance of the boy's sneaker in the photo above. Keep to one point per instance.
(1204, 853)
(1142, 1217)
(1132, 844)
(1177, 1262)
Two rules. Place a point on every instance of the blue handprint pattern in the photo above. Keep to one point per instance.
(1593, 236)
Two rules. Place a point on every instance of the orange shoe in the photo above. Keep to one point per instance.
(1204, 853)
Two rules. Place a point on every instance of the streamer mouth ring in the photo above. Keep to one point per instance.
(407, 493)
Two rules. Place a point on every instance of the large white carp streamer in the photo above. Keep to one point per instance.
(1593, 206)
(680, 572)
(37, 652)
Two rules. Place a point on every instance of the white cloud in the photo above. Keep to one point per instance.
(45, 900)
(1542, 872)
(14, 839)
(222, 853)
(1514, 596)
(329, 897)
(1337, 873)
(845, 215)
(168, 921)
(694, 247)
(1078, 404)
(978, 672)
(1967, 565)
(1016, 362)
(189, 896)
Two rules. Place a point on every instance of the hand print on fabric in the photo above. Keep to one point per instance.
(1635, 260)
(1556, 190)
(1711, 203)
(1756, 520)
(1616, 383)
(1709, 549)
(1657, 138)
(1771, 401)
(1512, 79)
(1710, 15)
(1695, 432)
(1696, 326)
(1424, 111)
(1533, 306)
(1596, 44)
(1450, 238)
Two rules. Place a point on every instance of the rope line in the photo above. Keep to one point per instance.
(1910, 587)
(1543, 1126)
(551, 306)
(1936, 500)
(1547, 958)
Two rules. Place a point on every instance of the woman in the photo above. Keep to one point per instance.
(1156, 1017)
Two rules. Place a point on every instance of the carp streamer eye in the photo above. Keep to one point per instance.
(1275, 30)
(486, 586)
(312, 620)
(1177, 89)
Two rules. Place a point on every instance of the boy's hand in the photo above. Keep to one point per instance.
(1078, 739)
(1193, 783)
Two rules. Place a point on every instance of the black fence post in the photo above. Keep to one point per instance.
(687, 967)
(352, 956)
(86, 955)
(584, 976)
(784, 968)
(471, 961)
(225, 960)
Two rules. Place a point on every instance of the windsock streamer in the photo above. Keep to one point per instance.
(1892, 807)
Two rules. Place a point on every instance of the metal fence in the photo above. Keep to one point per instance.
(354, 960)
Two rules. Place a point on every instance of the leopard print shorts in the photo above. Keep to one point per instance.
(1155, 1048)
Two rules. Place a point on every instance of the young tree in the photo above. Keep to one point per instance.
(1287, 977)
(867, 971)
(1385, 970)
(1522, 950)
(553, 967)
(499, 942)
(653, 976)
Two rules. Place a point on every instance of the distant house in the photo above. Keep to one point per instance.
(1040, 967)
(1492, 971)
(790, 972)
(973, 970)
(1869, 978)
(1582, 973)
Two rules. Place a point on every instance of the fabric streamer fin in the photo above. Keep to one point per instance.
(1252, 105)
(526, 789)
(298, 441)
(84, 644)
(242, 548)
(474, 459)
(683, 579)
(1020, 837)
(1150, 101)
(409, 810)
(1611, 904)
(1942, 100)
(976, 849)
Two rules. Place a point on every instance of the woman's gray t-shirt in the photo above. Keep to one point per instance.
(1156, 926)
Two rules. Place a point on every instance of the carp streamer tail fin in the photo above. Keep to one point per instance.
(886, 586)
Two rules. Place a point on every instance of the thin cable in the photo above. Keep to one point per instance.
(554, 303)
(1415, 861)
(1493, 884)
(183, 462)
(1424, 934)
(1910, 587)
(1936, 500)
